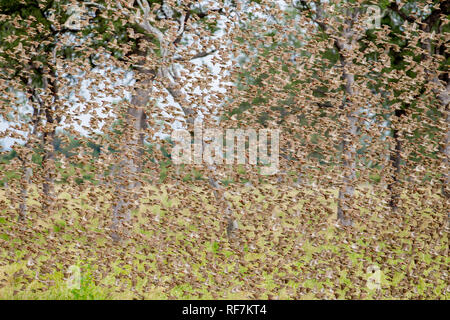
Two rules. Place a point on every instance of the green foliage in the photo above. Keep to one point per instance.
(272, 259)
(88, 289)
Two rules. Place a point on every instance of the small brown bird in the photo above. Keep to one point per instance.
(232, 226)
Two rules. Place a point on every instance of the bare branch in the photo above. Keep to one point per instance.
(197, 56)
(394, 7)
(145, 25)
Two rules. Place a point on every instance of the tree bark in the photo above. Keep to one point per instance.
(445, 180)
(395, 158)
(129, 167)
(347, 190)
(344, 46)
(223, 204)
(48, 139)
(443, 94)
(24, 183)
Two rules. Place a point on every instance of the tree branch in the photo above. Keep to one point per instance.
(394, 7)
(197, 56)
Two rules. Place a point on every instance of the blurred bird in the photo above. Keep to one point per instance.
(232, 226)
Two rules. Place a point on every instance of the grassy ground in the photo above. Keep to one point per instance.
(287, 246)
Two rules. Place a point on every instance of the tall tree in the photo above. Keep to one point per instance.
(420, 40)
(161, 60)
(32, 49)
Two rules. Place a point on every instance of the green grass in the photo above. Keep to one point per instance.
(287, 246)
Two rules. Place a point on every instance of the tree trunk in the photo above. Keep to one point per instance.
(26, 171)
(126, 180)
(443, 94)
(446, 147)
(49, 134)
(395, 159)
(24, 183)
(120, 214)
(347, 190)
(48, 159)
(223, 204)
